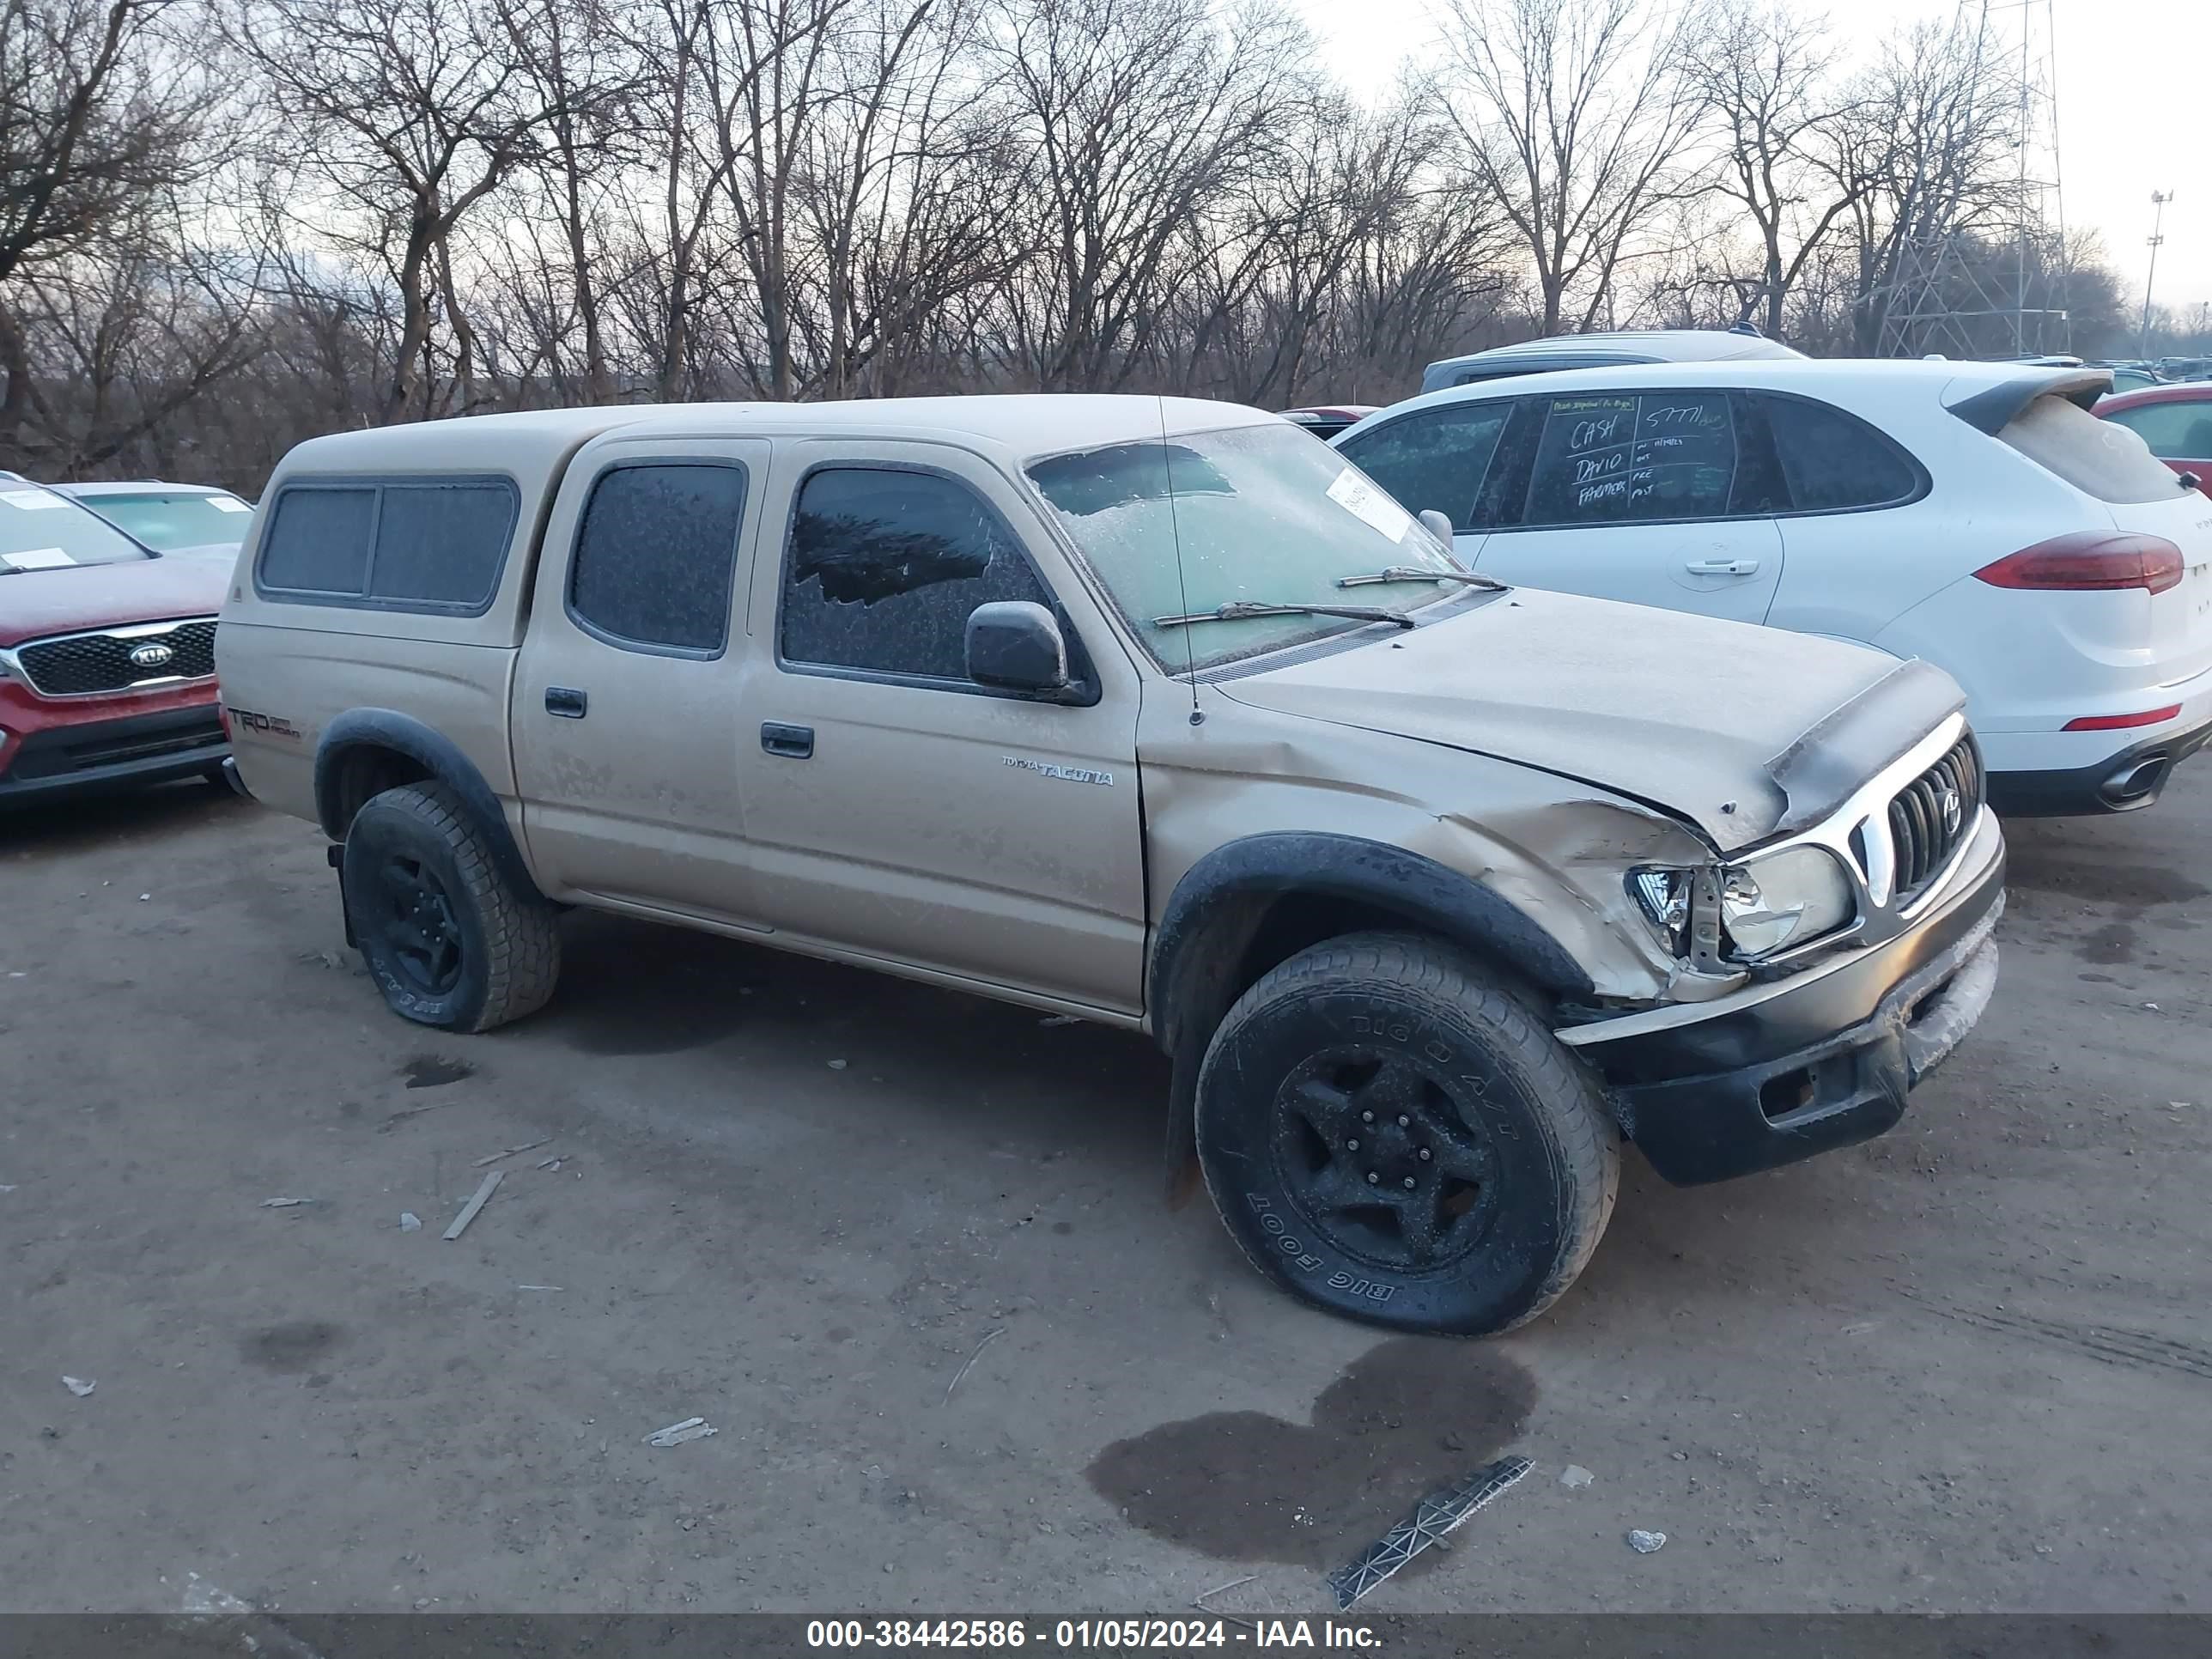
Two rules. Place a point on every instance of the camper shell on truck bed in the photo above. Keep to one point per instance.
(1156, 712)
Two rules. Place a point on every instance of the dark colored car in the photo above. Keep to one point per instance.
(106, 653)
(169, 518)
(1327, 420)
(2175, 420)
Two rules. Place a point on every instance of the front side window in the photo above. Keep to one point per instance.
(1183, 526)
(1434, 461)
(2174, 431)
(657, 553)
(885, 566)
(1834, 462)
(1622, 458)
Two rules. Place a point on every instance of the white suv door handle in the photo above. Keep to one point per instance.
(1722, 567)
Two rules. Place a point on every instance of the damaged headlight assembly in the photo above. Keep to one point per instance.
(1764, 905)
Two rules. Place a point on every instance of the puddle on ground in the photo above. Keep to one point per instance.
(432, 1071)
(1408, 1416)
(2138, 885)
(293, 1347)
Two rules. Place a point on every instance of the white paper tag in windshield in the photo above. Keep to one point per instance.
(37, 558)
(1370, 505)
(34, 501)
(224, 504)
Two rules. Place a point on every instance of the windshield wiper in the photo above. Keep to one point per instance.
(1238, 609)
(1407, 573)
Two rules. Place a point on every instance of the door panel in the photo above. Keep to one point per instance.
(1728, 569)
(626, 724)
(921, 818)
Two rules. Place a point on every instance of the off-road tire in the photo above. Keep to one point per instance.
(509, 943)
(1500, 1089)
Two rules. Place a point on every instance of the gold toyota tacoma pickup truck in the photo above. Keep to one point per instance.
(1156, 713)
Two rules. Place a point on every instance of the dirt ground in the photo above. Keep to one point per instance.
(1964, 1367)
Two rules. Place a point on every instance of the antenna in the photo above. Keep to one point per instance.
(1182, 587)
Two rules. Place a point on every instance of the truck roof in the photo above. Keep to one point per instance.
(534, 444)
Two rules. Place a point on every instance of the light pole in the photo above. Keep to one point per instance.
(2159, 199)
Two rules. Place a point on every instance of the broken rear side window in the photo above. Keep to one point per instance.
(884, 567)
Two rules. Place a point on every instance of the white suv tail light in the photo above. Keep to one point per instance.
(2089, 561)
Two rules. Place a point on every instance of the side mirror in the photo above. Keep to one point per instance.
(1437, 526)
(1015, 645)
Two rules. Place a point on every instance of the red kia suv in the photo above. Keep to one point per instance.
(106, 653)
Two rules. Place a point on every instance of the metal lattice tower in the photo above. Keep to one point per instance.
(1998, 287)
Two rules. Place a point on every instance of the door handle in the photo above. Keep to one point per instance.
(792, 742)
(1722, 567)
(565, 701)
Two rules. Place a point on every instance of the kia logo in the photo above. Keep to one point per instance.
(151, 655)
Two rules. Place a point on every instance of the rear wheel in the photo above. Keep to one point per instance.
(1390, 1134)
(447, 938)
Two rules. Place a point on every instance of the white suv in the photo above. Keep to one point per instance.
(1973, 514)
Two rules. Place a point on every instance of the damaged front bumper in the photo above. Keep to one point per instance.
(1781, 1071)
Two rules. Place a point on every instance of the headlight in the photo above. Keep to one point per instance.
(1664, 895)
(1788, 898)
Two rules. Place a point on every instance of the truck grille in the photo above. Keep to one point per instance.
(79, 665)
(1933, 815)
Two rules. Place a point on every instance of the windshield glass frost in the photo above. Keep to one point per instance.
(1264, 513)
(40, 530)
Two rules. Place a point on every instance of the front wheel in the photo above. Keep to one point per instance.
(1389, 1135)
(448, 938)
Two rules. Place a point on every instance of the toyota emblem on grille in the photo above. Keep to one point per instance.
(153, 655)
(1953, 809)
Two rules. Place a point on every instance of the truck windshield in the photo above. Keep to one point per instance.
(1179, 526)
(40, 530)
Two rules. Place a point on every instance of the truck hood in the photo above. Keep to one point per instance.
(78, 598)
(1744, 731)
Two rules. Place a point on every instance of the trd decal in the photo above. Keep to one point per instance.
(269, 726)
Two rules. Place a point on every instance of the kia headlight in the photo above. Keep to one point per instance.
(1767, 904)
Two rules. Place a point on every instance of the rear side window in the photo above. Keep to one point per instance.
(1834, 462)
(2099, 457)
(1434, 461)
(657, 553)
(2174, 431)
(441, 544)
(399, 545)
(884, 567)
(1623, 458)
(318, 541)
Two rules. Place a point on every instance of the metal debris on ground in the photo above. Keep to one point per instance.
(282, 1203)
(552, 1164)
(526, 1146)
(1061, 1019)
(1440, 1512)
(1576, 1475)
(1204, 1595)
(838, 1065)
(468, 1210)
(1645, 1543)
(410, 1222)
(692, 1428)
(996, 1331)
(538, 1287)
(79, 1386)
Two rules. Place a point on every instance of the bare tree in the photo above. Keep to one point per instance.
(1576, 115)
(1767, 80)
(411, 112)
(96, 118)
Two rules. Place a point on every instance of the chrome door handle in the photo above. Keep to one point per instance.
(1722, 567)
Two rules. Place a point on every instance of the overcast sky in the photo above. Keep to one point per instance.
(2135, 110)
